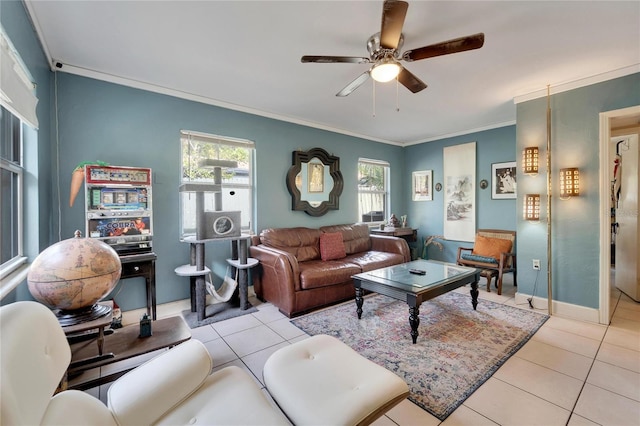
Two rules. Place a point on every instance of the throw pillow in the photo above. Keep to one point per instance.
(332, 246)
(491, 247)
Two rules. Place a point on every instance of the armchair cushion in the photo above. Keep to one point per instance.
(477, 258)
(332, 246)
(491, 247)
(141, 397)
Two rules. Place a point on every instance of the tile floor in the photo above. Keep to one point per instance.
(569, 373)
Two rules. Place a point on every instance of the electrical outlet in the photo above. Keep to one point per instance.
(536, 264)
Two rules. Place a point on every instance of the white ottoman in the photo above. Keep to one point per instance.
(322, 381)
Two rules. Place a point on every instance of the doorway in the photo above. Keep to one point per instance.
(610, 123)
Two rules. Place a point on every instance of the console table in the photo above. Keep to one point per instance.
(409, 234)
(142, 265)
(197, 271)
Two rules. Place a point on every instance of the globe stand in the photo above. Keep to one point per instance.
(68, 318)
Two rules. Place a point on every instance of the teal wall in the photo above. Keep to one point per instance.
(38, 145)
(575, 142)
(492, 146)
(131, 127)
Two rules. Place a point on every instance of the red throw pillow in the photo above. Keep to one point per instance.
(332, 246)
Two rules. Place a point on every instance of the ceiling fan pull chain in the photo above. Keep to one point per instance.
(397, 95)
(374, 98)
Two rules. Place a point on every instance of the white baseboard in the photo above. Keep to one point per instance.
(562, 309)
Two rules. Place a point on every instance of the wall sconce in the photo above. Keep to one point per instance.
(531, 210)
(569, 183)
(530, 160)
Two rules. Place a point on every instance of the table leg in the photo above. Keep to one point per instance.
(100, 340)
(359, 301)
(414, 322)
(474, 293)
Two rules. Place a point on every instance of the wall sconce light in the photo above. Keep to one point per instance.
(530, 160)
(531, 210)
(569, 183)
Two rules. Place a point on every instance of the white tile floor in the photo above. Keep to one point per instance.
(569, 373)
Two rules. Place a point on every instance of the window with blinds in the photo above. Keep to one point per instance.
(373, 196)
(235, 158)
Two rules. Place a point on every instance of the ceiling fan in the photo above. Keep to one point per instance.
(384, 52)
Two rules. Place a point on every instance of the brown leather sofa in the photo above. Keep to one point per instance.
(293, 277)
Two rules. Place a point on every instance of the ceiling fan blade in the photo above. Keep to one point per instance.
(335, 59)
(410, 81)
(354, 84)
(393, 14)
(446, 47)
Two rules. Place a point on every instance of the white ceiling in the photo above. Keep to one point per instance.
(245, 55)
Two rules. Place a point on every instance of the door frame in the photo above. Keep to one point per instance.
(605, 207)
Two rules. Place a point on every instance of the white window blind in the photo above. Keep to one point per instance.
(17, 90)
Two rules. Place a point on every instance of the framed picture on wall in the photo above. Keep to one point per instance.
(503, 181)
(422, 185)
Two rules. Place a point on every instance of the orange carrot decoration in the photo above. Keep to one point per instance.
(77, 178)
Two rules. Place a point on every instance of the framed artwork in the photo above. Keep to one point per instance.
(422, 183)
(316, 177)
(460, 192)
(503, 181)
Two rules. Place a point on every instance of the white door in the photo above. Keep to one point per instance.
(627, 278)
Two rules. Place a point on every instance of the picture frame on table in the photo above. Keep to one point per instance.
(422, 185)
(503, 181)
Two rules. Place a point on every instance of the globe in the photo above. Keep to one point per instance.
(74, 274)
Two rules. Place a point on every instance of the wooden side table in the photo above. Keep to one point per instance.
(123, 344)
(409, 234)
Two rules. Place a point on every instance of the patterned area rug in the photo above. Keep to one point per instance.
(457, 350)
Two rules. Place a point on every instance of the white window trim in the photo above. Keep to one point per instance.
(387, 183)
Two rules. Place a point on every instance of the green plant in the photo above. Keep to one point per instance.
(432, 239)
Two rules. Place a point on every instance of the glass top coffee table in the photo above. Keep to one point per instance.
(400, 283)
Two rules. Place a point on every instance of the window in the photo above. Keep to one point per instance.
(11, 250)
(373, 184)
(202, 154)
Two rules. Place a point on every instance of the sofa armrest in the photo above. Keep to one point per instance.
(283, 264)
(146, 393)
(391, 245)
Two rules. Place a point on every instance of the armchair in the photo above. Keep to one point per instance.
(173, 388)
(493, 252)
(312, 380)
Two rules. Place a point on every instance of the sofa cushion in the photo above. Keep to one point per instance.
(371, 260)
(303, 243)
(491, 247)
(356, 237)
(331, 246)
(317, 273)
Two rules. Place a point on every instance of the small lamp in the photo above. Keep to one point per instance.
(530, 160)
(531, 210)
(569, 183)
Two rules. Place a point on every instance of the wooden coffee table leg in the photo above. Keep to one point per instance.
(359, 300)
(474, 294)
(414, 322)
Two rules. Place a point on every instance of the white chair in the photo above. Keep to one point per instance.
(176, 387)
(172, 388)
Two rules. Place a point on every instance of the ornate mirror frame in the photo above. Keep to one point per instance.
(331, 161)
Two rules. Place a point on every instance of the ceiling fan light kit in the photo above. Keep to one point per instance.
(385, 71)
(384, 52)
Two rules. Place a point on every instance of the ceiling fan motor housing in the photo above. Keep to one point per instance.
(377, 53)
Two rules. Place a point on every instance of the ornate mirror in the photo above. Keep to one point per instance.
(314, 181)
